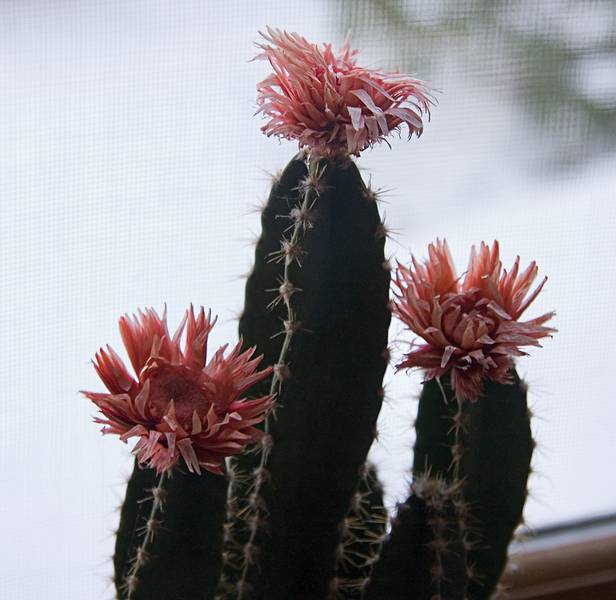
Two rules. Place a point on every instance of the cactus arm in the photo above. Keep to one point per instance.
(496, 466)
(183, 558)
(424, 556)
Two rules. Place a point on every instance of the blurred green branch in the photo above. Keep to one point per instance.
(539, 53)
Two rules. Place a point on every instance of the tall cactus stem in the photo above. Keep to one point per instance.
(290, 251)
(319, 254)
(149, 530)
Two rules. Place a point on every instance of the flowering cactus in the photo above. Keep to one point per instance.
(300, 515)
(180, 408)
(316, 306)
(473, 447)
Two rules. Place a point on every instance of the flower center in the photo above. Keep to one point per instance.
(168, 383)
(468, 310)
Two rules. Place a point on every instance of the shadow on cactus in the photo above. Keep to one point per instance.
(300, 513)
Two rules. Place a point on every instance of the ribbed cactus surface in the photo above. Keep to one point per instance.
(331, 292)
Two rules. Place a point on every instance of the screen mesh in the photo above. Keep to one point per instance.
(130, 163)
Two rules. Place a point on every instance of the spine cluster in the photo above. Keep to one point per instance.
(362, 533)
(147, 532)
(246, 510)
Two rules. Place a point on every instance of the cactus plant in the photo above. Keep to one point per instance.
(300, 512)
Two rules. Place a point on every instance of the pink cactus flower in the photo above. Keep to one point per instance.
(177, 405)
(328, 103)
(471, 327)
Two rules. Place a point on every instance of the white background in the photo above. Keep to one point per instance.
(129, 165)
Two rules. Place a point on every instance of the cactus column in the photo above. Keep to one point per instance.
(331, 386)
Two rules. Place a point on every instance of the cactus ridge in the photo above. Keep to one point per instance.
(254, 512)
(148, 531)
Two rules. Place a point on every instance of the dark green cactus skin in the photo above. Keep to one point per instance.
(405, 570)
(186, 552)
(496, 465)
(325, 423)
(494, 470)
(403, 563)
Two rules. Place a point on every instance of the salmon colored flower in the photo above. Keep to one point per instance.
(470, 327)
(177, 405)
(328, 103)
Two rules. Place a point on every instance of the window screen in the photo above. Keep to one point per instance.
(130, 166)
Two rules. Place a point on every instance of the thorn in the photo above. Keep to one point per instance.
(142, 556)
(257, 207)
(267, 442)
(282, 372)
(291, 327)
(131, 583)
(381, 231)
(285, 290)
(311, 183)
(378, 194)
(251, 553)
(369, 194)
(386, 355)
(152, 526)
(304, 216)
(344, 527)
(261, 476)
(289, 252)
(457, 452)
(159, 494)
(274, 177)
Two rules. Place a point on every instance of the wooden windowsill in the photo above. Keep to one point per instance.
(566, 563)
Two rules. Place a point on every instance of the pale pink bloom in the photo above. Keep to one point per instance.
(470, 326)
(330, 104)
(177, 405)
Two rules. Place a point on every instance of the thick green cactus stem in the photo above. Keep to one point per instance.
(331, 392)
(183, 557)
(495, 467)
(290, 251)
(424, 556)
(486, 446)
